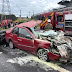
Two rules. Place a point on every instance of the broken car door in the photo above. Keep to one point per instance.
(13, 36)
(25, 40)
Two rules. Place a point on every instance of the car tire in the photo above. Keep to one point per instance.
(43, 55)
(11, 45)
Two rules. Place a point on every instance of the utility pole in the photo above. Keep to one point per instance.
(20, 15)
(29, 13)
(33, 12)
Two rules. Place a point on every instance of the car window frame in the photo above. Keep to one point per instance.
(27, 31)
(15, 33)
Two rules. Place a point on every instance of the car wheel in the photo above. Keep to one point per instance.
(43, 55)
(11, 45)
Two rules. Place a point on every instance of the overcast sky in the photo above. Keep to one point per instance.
(29, 6)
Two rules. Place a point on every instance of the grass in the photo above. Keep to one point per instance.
(22, 20)
(1, 14)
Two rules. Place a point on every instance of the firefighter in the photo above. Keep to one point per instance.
(5, 25)
(17, 23)
(13, 24)
(8, 25)
(0, 25)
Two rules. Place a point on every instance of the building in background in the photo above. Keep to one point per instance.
(13, 17)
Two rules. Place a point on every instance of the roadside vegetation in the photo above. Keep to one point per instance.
(22, 20)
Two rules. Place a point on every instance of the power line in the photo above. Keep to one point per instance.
(6, 7)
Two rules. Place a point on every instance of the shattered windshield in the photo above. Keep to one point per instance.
(34, 32)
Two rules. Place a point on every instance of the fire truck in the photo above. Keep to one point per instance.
(57, 19)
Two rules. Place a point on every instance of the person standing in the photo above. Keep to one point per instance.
(11, 24)
(0, 25)
(5, 25)
(8, 25)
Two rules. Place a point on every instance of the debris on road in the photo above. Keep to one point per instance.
(31, 60)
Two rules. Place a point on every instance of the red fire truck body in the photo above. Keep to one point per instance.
(46, 15)
(57, 19)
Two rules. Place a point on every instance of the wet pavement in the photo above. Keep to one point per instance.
(16, 60)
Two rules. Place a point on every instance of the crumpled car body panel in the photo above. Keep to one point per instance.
(61, 42)
(53, 56)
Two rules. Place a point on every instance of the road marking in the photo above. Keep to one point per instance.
(34, 61)
(54, 66)
(0, 52)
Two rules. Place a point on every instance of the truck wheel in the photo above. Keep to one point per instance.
(11, 45)
(43, 55)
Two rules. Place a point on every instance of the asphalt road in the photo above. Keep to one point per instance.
(16, 60)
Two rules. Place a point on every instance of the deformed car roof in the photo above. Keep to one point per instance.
(30, 24)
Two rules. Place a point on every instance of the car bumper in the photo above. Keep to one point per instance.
(58, 58)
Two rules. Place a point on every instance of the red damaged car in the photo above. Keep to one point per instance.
(24, 37)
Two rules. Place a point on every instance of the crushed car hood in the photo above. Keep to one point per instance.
(62, 43)
(47, 33)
